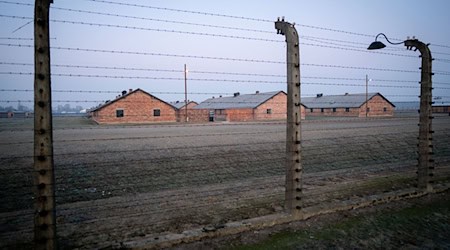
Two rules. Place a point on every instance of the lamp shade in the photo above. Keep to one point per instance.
(376, 45)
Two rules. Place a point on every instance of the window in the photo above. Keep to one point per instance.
(311, 110)
(321, 110)
(156, 112)
(368, 109)
(269, 111)
(334, 109)
(384, 109)
(347, 109)
(119, 113)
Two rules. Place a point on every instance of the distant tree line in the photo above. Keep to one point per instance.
(66, 108)
(19, 107)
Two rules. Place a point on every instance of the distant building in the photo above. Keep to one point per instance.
(349, 105)
(134, 106)
(249, 107)
(15, 114)
(182, 104)
(6, 114)
(21, 114)
(441, 107)
(181, 109)
(407, 106)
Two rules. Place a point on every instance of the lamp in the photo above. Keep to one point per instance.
(380, 45)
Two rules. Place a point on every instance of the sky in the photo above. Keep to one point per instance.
(227, 46)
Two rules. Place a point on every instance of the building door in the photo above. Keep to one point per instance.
(211, 115)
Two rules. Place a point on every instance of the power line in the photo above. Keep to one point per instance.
(354, 48)
(22, 26)
(216, 15)
(194, 79)
(210, 58)
(148, 29)
(217, 58)
(169, 55)
(213, 72)
(359, 85)
(16, 38)
(16, 3)
(145, 77)
(116, 92)
(99, 67)
(146, 69)
(201, 79)
(440, 45)
(442, 60)
(221, 15)
(210, 80)
(222, 27)
(162, 20)
(357, 49)
(183, 11)
(149, 54)
(216, 35)
(167, 31)
(326, 40)
(349, 103)
(243, 18)
(166, 93)
(369, 68)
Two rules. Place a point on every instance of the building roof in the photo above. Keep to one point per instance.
(339, 101)
(125, 95)
(439, 103)
(237, 101)
(179, 105)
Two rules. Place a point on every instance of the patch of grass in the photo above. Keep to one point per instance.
(423, 226)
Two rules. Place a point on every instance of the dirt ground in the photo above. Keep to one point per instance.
(420, 223)
(120, 183)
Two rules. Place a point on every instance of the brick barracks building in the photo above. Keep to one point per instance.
(135, 106)
(249, 107)
(348, 105)
(139, 106)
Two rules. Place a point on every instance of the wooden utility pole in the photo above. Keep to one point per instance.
(294, 170)
(44, 177)
(367, 94)
(185, 93)
(425, 146)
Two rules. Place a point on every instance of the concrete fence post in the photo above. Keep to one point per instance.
(425, 145)
(294, 170)
(44, 178)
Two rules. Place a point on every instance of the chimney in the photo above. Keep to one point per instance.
(236, 94)
(319, 95)
(124, 92)
(257, 92)
(130, 90)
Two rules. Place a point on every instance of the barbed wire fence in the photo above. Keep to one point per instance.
(121, 183)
